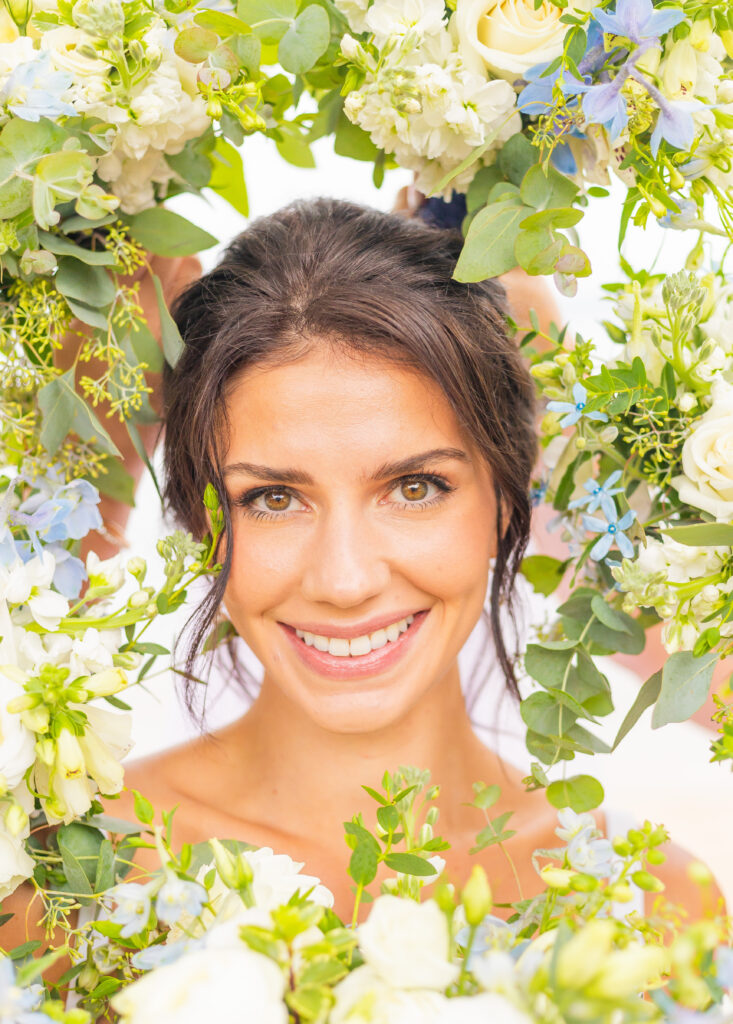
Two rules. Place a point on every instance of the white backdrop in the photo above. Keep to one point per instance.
(662, 775)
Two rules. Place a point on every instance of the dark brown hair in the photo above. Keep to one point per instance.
(373, 283)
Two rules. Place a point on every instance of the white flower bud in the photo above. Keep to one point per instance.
(69, 760)
(350, 47)
(137, 567)
(106, 683)
(686, 402)
(139, 599)
(16, 820)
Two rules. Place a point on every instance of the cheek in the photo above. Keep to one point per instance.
(265, 568)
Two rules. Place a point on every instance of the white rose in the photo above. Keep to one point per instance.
(61, 44)
(508, 37)
(17, 744)
(707, 458)
(15, 864)
(363, 997)
(278, 877)
(229, 986)
(408, 944)
(482, 1008)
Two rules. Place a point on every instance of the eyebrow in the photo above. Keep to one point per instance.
(401, 467)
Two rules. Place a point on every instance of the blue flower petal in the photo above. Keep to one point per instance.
(601, 548)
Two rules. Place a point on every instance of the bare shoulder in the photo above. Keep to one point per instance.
(689, 884)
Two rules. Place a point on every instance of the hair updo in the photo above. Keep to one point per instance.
(377, 284)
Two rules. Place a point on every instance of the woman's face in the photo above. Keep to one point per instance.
(363, 526)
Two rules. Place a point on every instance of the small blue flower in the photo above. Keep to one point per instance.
(600, 496)
(611, 531)
(17, 1005)
(576, 410)
(133, 907)
(178, 896)
(605, 104)
(33, 90)
(674, 122)
(637, 20)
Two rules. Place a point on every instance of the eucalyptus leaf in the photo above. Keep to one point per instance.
(269, 19)
(105, 874)
(194, 44)
(516, 157)
(90, 285)
(489, 248)
(90, 315)
(546, 189)
(305, 41)
(352, 141)
(543, 572)
(543, 714)
(227, 176)
(579, 792)
(548, 667)
(64, 412)
(170, 336)
(410, 864)
(685, 684)
(165, 233)
(62, 246)
(647, 695)
(224, 25)
(702, 534)
(616, 620)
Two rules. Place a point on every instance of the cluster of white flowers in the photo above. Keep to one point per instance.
(55, 745)
(150, 117)
(420, 101)
(683, 583)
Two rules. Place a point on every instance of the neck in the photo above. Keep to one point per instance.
(307, 770)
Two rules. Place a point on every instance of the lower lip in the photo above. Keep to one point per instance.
(358, 666)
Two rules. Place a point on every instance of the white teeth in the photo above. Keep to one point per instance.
(340, 647)
(378, 639)
(360, 645)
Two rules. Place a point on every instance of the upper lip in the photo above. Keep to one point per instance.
(346, 632)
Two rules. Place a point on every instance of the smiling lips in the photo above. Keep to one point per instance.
(364, 655)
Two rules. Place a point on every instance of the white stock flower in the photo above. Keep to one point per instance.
(230, 986)
(363, 997)
(17, 743)
(508, 37)
(15, 864)
(29, 584)
(92, 652)
(408, 944)
(390, 18)
(355, 13)
(707, 458)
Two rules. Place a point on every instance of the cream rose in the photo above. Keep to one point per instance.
(508, 37)
(707, 458)
(408, 944)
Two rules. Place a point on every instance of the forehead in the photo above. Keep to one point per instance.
(332, 406)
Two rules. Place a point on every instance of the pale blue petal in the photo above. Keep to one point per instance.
(579, 392)
(595, 524)
(626, 519)
(608, 505)
(624, 545)
(601, 547)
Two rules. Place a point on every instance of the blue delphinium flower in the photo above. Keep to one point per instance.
(600, 495)
(576, 410)
(637, 20)
(611, 532)
(674, 121)
(177, 896)
(133, 907)
(605, 104)
(18, 1005)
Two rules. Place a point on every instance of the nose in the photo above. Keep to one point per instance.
(347, 564)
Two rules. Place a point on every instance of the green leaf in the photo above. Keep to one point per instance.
(543, 572)
(685, 684)
(548, 667)
(170, 336)
(293, 147)
(269, 19)
(646, 696)
(489, 247)
(105, 874)
(227, 176)
(388, 817)
(542, 714)
(482, 184)
(486, 796)
(90, 285)
(62, 246)
(143, 809)
(363, 863)
(409, 864)
(64, 412)
(195, 44)
(305, 41)
(557, 218)
(580, 792)
(702, 534)
(516, 157)
(353, 142)
(538, 251)
(146, 348)
(545, 191)
(590, 687)
(165, 233)
(618, 621)
(224, 25)
(75, 858)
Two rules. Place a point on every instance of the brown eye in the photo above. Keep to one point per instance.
(414, 490)
(277, 501)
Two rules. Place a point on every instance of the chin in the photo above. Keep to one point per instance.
(359, 712)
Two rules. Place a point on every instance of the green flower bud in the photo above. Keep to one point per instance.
(16, 819)
(476, 896)
(107, 683)
(234, 870)
(36, 719)
(24, 702)
(556, 878)
(137, 567)
(647, 882)
(656, 857)
(699, 873)
(211, 498)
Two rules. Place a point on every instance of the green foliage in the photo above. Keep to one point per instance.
(64, 411)
(167, 234)
(580, 792)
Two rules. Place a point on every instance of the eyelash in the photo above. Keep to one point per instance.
(245, 501)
